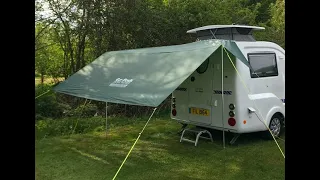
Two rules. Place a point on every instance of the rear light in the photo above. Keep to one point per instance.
(231, 114)
(174, 112)
(231, 121)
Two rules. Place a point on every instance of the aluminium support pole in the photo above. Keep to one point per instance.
(106, 118)
(222, 98)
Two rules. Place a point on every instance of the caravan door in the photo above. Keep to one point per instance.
(229, 75)
(217, 90)
(200, 92)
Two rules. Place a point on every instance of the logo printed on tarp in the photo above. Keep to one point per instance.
(121, 82)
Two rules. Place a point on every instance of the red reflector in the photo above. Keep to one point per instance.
(231, 121)
(174, 112)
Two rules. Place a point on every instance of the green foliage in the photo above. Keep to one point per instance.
(48, 57)
(48, 106)
(277, 10)
(42, 88)
(278, 21)
(80, 31)
(275, 27)
(87, 110)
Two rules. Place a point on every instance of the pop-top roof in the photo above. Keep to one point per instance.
(224, 26)
(225, 32)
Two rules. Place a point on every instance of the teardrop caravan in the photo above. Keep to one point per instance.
(225, 94)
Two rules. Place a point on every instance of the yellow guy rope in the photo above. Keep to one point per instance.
(79, 116)
(43, 93)
(133, 145)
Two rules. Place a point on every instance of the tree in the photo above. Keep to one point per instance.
(82, 30)
(278, 21)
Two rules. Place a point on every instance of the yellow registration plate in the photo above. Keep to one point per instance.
(199, 111)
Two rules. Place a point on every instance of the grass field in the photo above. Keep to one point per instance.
(158, 155)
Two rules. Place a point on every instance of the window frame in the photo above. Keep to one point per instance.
(252, 75)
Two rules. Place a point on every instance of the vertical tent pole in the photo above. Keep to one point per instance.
(106, 118)
(222, 96)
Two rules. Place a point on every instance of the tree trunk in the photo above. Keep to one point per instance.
(65, 66)
(42, 78)
(83, 46)
(71, 55)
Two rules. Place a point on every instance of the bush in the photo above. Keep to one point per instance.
(88, 110)
(47, 106)
(42, 88)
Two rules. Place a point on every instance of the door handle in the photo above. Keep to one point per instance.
(213, 102)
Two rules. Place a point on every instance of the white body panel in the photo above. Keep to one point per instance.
(264, 94)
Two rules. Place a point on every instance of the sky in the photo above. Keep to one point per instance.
(46, 12)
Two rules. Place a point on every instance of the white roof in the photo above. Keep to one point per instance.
(223, 26)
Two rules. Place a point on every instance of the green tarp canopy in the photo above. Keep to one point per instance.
(144, 76)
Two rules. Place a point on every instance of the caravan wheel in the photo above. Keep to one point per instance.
(275, 125)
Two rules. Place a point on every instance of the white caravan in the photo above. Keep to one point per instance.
(252, 99)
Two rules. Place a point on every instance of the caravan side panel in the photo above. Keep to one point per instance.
(264, 94)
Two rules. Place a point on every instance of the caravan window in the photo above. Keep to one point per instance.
(263, 64)
(203, 67)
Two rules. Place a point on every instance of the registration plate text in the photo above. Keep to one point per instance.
(199, 111)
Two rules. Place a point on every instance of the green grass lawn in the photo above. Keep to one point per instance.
(157, 155)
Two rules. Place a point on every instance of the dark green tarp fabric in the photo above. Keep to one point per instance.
(144, 76)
